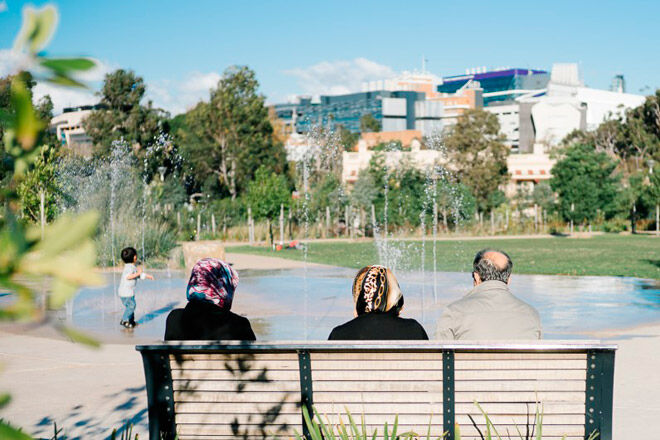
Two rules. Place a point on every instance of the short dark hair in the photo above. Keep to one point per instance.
(488, 271)
(128, 254)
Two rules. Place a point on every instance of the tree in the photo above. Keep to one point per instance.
(346, 138)
(475, 147)
(266, 194)
(543, 196)
(369, 124)
(584, 179)
(231, 136)
(40, 180)
(123, 116)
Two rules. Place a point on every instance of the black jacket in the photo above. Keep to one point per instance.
(205, 321)
(378, 326)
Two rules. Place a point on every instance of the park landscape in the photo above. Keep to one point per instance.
(585, 243)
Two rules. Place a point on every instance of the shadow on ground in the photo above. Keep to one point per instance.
(87, 422)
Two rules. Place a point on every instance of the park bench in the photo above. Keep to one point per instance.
(200, 390)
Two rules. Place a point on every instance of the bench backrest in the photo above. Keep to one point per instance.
(221, 391)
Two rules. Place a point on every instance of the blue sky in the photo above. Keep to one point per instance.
(181, 48)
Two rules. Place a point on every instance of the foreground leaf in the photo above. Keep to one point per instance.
(27, 123)
(64, 65)
(38, 28)
(8, 432)
(80, 337)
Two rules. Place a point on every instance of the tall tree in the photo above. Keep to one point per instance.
(475, 148)
(123, 115)
(266, 194)
(231, 136)
(585, 182)
(369, 124)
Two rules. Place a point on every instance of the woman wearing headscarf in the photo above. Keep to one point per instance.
(378, 303)
(207, 315)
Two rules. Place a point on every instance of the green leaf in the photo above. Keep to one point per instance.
(4, 399)
(61, 291)
(64, 65)
(27, 124)
(79, 337)
(457, 431)
(8, 432)
(65, 80)
(38, 28)
(67, 232)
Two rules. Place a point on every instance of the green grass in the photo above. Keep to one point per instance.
(615, 255)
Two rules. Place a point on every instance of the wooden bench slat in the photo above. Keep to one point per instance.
(374, 356)
(521, 364)
(523, 396)
(280, 419)
(292, 386)
(378, 375)
(373, 365)
(521, 419)
(348, 396)
(520, 374)
(185, 429)
(253, 376)
(367, 387)
(233, 356)
(465, 356)
(521, 385)
(288, 407)
(521, 408)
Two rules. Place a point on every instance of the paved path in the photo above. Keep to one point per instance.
(247, 261)
(87, 392)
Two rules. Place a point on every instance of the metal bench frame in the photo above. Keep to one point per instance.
(160, 395)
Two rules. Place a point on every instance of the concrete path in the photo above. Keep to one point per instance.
(247, 261)
(89, 392)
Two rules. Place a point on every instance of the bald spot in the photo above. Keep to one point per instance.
(498, 259)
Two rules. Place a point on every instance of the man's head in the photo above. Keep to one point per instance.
(129, 255)
(491, 265)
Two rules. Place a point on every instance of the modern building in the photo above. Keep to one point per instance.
(502, 84)
(69, 129)
(569, 105)
(395, 111)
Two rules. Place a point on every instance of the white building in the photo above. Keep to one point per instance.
(69, 129)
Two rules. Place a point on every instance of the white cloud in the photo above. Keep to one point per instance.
(73, 97)
(338, 77)
(64, 96)
(179, 96)
(12, 61)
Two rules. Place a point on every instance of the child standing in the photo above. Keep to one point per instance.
(127, 284)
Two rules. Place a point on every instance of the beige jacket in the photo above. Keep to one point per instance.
(487, 312)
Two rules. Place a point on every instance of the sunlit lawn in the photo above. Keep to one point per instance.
(617, 255)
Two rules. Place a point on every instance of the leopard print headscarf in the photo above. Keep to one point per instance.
(375, 289)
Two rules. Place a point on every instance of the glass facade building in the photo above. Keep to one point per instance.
(395, 110)
(497, 83)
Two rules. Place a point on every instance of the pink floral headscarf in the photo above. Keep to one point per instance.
(212, 280)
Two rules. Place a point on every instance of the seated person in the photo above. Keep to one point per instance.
(489, 310)
(378, 302)
(206, 316)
